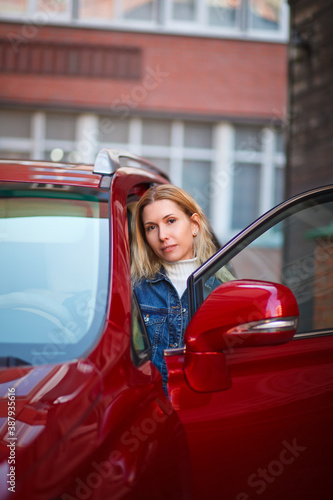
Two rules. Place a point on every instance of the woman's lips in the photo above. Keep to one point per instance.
(168, 248)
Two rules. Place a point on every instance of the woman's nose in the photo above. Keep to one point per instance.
(162, 233)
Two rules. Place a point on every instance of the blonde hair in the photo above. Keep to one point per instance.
(145, 263)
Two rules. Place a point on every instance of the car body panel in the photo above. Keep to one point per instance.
(101, 425)
(280, 398)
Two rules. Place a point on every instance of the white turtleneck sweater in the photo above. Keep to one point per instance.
(179, 271)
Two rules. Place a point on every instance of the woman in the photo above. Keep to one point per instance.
(171, 238)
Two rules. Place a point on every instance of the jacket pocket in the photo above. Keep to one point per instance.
(155, 324)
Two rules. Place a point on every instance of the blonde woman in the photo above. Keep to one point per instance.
(171, 239)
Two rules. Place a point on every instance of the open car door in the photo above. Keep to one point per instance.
(253, 386)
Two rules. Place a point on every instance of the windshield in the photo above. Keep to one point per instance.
(54, 262)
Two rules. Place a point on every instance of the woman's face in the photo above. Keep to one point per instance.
(169, 231)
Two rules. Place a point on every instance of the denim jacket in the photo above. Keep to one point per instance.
(165, 315)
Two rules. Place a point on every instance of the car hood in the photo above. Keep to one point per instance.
(52, 403)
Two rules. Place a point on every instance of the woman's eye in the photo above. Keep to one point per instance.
(150, 228)
(171, 221)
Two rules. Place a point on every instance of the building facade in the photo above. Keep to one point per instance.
(310, 150)
(197, 86)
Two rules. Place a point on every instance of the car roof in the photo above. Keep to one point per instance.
(48, 173)
(108, 161)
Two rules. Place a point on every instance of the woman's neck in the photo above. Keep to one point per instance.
(179, 271)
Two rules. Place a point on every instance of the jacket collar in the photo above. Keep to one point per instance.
(159, 276)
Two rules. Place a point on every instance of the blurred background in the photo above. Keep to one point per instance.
(232, 98)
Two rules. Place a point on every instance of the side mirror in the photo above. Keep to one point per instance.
(240, 313)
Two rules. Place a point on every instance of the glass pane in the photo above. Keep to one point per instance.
(113, 130)
(248, 138)
(265, 14)
(141, 350)
(161, 163)
(196, 181)
(96, 9)
(58, 154)
(13, 6)
(15, 124)
(280, 145)
(60, 126)
(300, 258)
(139, 9)
(14, 155)
(279, 185)
(53, 8)
(246, 194)
(197, 135)
(224, 12)
(156, 132)
(184, 10)
(53, 267)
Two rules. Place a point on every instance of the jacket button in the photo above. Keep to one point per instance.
(184, 310)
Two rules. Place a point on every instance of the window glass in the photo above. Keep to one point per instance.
(279, 185)
(53, 8)
(265, 14)
(197, 135)
(113, 130)
(161, 163)
(96, 9)
(60, 126)
(196, 181)
(139, 9)
(246, 194)
(15, 123)
(248, 138)
(141, 350)
(280, 142)
(59, 154)
(156, 132)
(53, 268)
(14, 155)
(224, 12)
(13, 6)
(301, 258)
(184, 10)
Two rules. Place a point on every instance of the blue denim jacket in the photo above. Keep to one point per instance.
(165, 315)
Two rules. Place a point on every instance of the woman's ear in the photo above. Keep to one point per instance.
(195, 222)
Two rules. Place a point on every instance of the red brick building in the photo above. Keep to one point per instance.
(199, 86)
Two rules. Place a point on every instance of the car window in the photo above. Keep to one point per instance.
(294, 248)
(141, 350)
(54, 267)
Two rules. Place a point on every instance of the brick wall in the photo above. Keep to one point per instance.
(178, 75)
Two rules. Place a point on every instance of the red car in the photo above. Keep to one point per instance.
(83, 414)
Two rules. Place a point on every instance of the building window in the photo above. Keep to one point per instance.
(14, 7)
(267, 19)
(135, 10)
(184, 10)
(265, 14)
(224, 13)
(156, 132)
